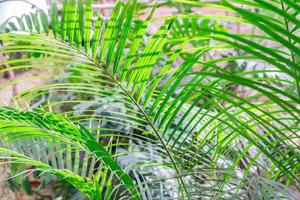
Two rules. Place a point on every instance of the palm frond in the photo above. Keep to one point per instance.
(174, 114)
(43, 128)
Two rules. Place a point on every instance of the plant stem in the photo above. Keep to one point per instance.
(150, 123)
(291, 51)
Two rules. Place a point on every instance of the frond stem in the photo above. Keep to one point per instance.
(291, 51)
(147, 119)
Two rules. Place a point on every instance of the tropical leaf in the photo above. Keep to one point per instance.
(44, 128)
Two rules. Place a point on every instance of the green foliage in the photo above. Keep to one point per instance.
(136, 121)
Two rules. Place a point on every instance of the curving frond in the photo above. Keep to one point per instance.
(29, 137)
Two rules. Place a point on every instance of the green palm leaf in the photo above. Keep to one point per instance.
(19, 126)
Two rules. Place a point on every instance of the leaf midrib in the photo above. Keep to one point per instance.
(140, 109)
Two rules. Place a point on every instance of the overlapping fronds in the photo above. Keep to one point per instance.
(159, 121)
